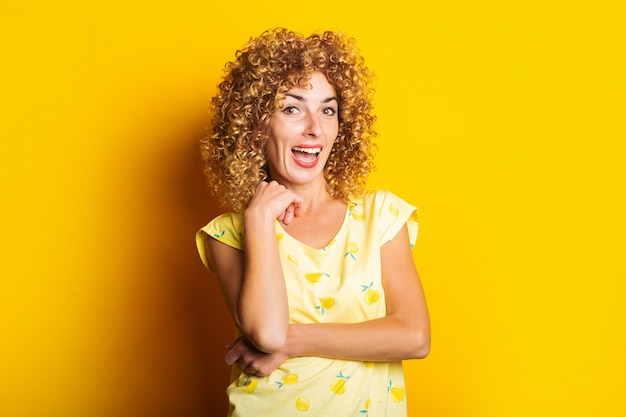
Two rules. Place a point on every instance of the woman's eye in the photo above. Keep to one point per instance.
(330, 111)
(290, 110)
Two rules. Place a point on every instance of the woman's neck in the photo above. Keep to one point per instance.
(314, 195)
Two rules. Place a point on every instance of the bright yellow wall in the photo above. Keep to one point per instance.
(502, 120)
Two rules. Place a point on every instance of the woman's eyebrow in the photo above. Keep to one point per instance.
(300, 98)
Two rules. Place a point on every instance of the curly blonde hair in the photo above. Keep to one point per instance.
(251, 92)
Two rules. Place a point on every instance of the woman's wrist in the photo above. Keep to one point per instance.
(257, 216)
(292, 348)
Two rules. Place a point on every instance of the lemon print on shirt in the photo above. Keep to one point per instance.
(315, 276)
(292, 259)
(397, 394)
(357, 216)
(366, 409)
(325, 302)
(279, 237)
(288, 379)
(250, 385)
(370, 296)
(393, 209)
(351, 250)
(302, 403)
(218, 236)
(338, 386)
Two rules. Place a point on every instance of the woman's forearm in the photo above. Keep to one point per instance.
(386, 339)
(262, 308)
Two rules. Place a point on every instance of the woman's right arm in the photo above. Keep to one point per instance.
(252, 281)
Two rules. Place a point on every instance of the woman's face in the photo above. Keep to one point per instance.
(302, 133)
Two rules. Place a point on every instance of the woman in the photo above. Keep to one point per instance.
(316, 272)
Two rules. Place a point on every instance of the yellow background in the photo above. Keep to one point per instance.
(503, 120)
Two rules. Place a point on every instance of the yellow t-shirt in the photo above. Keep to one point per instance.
(339, 283)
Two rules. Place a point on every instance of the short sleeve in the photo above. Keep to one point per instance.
(393, 213)
(227, 228)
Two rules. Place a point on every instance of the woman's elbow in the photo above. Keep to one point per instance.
(269, 342)
(267, 335)
(420, 345)
(266, 339)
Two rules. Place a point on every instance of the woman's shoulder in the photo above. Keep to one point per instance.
(389, 212)
(228, 217)
(379, 197)
(226, 226)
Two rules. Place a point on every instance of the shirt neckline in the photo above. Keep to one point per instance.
(280, 230)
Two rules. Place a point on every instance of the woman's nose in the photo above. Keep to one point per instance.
(313, 125)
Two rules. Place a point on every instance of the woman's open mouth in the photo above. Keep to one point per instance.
(305, 156)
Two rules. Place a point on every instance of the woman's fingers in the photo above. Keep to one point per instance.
(289, 214)
(283, 203)
(251, 360)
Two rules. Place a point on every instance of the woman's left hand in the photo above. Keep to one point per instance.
(251, 360)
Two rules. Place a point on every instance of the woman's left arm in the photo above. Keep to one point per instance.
(404, 333)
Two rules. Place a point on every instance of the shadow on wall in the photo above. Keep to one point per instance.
(172, 323)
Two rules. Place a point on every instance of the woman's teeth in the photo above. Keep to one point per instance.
(307, 150)
(306, 154)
